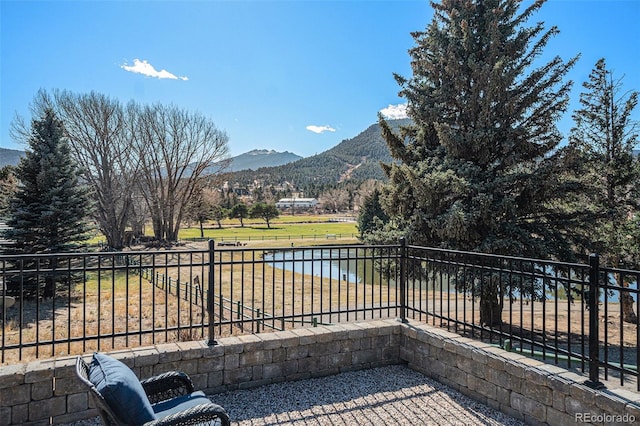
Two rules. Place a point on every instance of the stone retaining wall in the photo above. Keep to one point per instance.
(47, 391)
(522, 387)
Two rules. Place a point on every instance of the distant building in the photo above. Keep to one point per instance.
(297, 203)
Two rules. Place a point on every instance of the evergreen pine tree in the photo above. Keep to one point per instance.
(371, 215)
(264, 211)
(239, 211)
(476, 170)
(606, 135)
(48, 211)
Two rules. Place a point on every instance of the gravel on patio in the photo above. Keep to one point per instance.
(392, 395)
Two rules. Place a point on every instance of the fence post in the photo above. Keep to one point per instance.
(594, 332)
(210, 294)
(403, 280)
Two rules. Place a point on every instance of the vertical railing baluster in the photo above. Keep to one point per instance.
(126, 304)
(114, 259)
(403, 280)
(154, 280)
(210, 294)
(594, 335)
(167, 286)
(52, 268)
(253, 285)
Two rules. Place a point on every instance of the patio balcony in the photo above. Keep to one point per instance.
(529, 390)
(555, 347)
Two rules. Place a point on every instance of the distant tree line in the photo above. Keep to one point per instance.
(207, 206)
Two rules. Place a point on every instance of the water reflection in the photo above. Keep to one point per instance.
(357, 266)
(348, 265)
(326, 263)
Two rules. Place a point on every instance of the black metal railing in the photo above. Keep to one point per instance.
(618, 325)
(77, 302)
(566, 313)
(575, 315)
(282, 288)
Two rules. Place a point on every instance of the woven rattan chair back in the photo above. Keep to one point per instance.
(107, 415)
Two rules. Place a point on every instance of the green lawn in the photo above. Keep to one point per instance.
(278, 230)
(305, 227)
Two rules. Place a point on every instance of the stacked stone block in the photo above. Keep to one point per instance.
(44, 392)
(527, 389)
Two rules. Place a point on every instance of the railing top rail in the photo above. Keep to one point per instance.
(99, 253)
(178, 250)
(500, 256)
(619, 270)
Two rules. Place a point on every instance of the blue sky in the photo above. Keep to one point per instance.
(298, 76)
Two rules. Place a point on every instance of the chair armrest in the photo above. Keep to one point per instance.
(195, 415)
(167, 385)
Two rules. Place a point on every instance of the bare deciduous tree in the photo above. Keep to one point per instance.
(364, 191)
(175, 148)
(100, 133)
(155, 153)
(336, 199)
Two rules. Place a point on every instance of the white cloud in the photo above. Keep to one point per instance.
(145, 68)
(320, 129)
(395, 112)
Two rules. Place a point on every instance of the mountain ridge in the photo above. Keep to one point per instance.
(253, 159)
(355, 159)
(258, 158)
(10, 157)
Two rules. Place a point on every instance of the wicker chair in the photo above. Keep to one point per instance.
(171, 397)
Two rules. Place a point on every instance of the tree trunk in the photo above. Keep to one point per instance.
(626, 301)
(157, 228)
(628, 314)
(115, 241)
(490, 306)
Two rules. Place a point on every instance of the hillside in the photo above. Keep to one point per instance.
(10, 157)
(355, 159)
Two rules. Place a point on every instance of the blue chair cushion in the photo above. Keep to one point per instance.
(175, 405)
(121, 389)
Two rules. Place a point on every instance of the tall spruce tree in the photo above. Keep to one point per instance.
(605, 134)
(476, 170)
(371, 215)
(48, 212)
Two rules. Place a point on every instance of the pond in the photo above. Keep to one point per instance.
(356, 266)
(348, 265)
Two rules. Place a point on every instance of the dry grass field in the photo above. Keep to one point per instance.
(114, 310)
